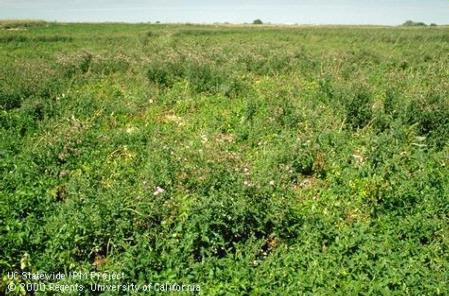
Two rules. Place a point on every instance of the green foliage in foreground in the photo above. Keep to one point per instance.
(250, 160)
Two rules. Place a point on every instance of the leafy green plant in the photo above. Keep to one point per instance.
(358, 109)
(250, 160)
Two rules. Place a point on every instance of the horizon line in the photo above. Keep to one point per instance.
(209, 23)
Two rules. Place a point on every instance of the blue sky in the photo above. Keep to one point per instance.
(387, 12)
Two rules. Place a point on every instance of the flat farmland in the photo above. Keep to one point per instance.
(249, 160)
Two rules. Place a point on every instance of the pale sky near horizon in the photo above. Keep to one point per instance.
(382, 12)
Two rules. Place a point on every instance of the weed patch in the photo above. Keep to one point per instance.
(250, 160)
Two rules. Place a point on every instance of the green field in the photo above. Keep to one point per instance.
(250, 160)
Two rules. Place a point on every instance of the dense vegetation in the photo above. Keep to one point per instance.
(252, 160)
(410, 23)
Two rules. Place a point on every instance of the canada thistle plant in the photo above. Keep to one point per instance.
(246, 160)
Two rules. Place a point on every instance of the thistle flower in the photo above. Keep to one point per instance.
(158, 191)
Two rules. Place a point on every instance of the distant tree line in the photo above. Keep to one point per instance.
(408, 23)
(411, 23)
